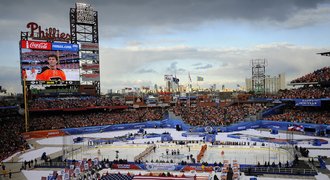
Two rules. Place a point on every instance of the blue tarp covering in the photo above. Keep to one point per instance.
(234, 136)
(273, 110)
(322, 163)
(166, 137)
(210, 138)
(167, 123)
(274, 131)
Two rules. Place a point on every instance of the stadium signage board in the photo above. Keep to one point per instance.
(87, 46)
(41, 45)
(89, 56)
(91, 67)
(50, 34)
(168, 77)
(307, 102)
(65, 47)
(91, 77)
(85, 13)
(36, 45)
(160, 167)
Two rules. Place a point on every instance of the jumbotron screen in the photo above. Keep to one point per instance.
(49, 63)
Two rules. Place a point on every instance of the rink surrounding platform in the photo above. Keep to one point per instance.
(47, 144)
(244, 154)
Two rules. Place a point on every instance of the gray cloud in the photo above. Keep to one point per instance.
(117, 18)
(10, 79)
(173, 11)
(146, 71)
(207, 66)
(181, 71)
(126, 21)
(224, 64)
(197, 64)
(172, 68)
(295, 61)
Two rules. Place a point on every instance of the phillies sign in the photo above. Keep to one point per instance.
(36, 45)
(52, 34)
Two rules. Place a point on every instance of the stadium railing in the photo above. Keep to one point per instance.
(286, 171)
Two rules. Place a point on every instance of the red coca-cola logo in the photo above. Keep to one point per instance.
(36, 45)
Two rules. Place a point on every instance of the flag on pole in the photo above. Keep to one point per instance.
(189, 77)
(176, 80)
(199, 78)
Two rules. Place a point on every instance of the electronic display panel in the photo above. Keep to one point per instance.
(50, 66)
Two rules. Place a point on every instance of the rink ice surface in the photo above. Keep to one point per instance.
(128, 150)
(243, 154)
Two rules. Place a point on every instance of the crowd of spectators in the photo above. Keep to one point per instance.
(216, 116)
(319, 75)
(72, 102)
(11, 125)
(42, 121)
(298, 93)
(8, 112)
(302, 116)
(304, 93)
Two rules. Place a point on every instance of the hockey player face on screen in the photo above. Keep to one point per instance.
(52, 62)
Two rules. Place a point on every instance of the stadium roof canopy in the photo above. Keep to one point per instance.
(302, 83)
(324, 53)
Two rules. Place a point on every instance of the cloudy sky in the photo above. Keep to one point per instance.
(142, 40)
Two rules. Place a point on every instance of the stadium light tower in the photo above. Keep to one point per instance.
(84, 30)
(258, 75)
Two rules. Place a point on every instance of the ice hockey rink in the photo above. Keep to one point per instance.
(244, 154)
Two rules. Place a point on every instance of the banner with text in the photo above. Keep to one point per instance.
(308, 102)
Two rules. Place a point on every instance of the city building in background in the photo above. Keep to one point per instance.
(272, 84)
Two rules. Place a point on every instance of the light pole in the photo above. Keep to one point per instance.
(268, 151)
(117, 156)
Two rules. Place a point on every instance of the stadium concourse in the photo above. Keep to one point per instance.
(164, 135)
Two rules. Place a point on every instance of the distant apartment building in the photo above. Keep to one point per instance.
(272, 84)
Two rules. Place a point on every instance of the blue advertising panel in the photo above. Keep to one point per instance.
(65, 47)
(308, 102)
(90, 56)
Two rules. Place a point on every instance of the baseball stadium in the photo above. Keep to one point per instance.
(63, 128)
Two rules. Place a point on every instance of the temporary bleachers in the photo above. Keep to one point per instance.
(230, 171)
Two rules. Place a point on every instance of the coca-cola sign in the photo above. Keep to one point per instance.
(36, 45)
(51, 33)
